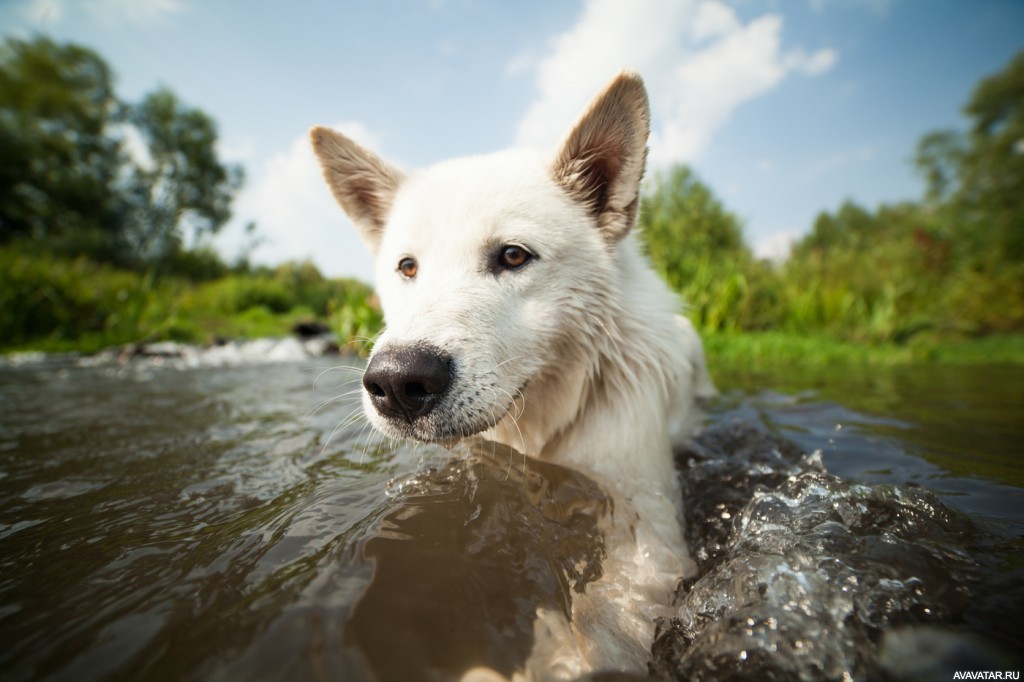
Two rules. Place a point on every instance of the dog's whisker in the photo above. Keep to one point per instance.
(340, 369)
(503, 362)
(349, 395)
(332, 434)
(513, 419)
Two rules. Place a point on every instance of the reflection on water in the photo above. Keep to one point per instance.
(958, 431)
(462, 564)
(212, 523)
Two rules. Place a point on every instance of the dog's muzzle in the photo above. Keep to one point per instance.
(407, 382)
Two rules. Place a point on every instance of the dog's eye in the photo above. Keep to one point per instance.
(407, 266)
(512, 257)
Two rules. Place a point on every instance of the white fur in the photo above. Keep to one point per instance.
(578, 357)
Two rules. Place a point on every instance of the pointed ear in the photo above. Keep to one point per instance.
(601, 162)
(362, 183)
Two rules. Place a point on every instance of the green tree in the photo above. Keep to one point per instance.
(864, 275)
(975, 189)
(685, 227)
(183, 186)
(977, 177)
(66, 174)
(697, 246)
(851, 228)
(58, 165)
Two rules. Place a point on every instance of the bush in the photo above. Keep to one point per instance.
(60, 303)
(238, 293)
(65, 300)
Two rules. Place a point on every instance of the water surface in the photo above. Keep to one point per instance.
(178, 520)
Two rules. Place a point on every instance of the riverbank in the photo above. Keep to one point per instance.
(290, 336)
(55, 304)
(755, 350)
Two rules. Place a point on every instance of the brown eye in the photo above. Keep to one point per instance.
(512, 257)
(407, 266)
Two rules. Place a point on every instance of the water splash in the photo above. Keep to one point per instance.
(803, 575)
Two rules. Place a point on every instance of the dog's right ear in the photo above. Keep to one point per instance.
(361, 181)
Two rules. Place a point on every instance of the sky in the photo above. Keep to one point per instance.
(785, 108)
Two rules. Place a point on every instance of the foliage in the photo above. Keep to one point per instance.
(865, 276)
(59, 303)
(99, 198)
(357, 317)
(182, 185)
(64, 300)
(949, 266)
(977, 177)
(698, 247)
(58, 166)
(685, 225)
(728, 352)
(90, 174)
(976, 190)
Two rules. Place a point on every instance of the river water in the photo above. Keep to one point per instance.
(230, 516)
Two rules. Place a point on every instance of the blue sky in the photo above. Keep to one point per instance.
(785, 108)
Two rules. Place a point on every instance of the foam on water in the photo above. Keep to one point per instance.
(227, 354)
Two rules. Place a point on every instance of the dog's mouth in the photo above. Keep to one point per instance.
(446, 424)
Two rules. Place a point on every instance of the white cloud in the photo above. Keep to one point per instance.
(241, 150)
(712, 20)
(776, 246)
(136, 12)
(700, 62)
(813, 64)
(296, 215)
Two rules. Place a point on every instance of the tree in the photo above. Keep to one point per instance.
(67, 172)
(182, 186)
(58, 165)
(975, 190)
(977, 177)
(685, 226)
(851, 228)
(697, 246)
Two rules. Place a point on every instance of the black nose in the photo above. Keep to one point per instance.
(407, 382)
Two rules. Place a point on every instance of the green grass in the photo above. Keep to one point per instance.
(754, 350)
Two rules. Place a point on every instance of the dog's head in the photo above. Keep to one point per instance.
(489, 267)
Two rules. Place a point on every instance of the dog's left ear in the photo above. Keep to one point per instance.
(601, 162)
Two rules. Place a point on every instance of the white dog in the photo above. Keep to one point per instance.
(518, 306)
